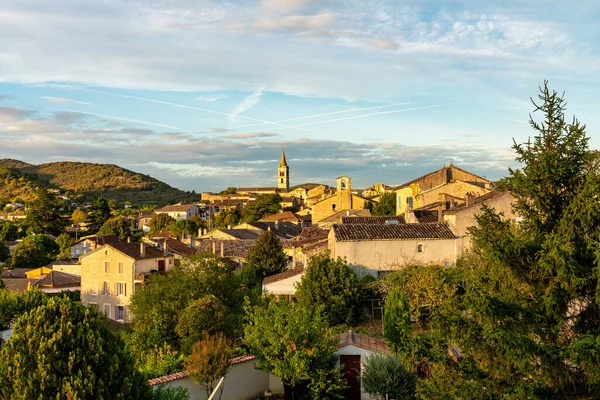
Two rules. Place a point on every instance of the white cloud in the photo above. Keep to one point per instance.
(62, 100)
(246, 104)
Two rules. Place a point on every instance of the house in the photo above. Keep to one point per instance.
(89, 243)
(444, 184)
(69, 267)
(343, 199)
(111, 273)
(45, 279)
(234, 252)
(311, 241)
(388, 247)
(287, 216)
(177, 248)
(336, 218)
(283, 229)
(217, 207)
(232, 234)
(462, 217)
(284, 284)
(180, 211)
(144, 220)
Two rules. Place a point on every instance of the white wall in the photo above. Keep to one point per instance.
(351, 350)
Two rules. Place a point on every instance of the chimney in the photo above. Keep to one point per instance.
(409, 216)
(469, 199)
(440, 214)
(214, 248)
(228, 226)
(192, 243)
(276, 224)
(142, 249)
(347, 213)
(165, 248)
(128, 239)
(269, 228)
(222, 250)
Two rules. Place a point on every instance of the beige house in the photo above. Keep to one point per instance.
(111, 273)
(89, 243)
(180, 211)
(389, 247)
(343, 199)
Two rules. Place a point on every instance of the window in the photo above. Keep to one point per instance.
(107, 310)
(281, 180)
(120, 313)
(333, 207)
(121, 289)
(106, 288)
(409, 201)
(93, 288)
(420, 248)
(107, 267)
(120, 268)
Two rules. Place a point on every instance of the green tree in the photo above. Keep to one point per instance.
(44, 214)
(288, 341)
(386, 206)
(205, 316)
(183, 228)
(64, 242)
(98, 214)
(113, 204)
(264, 205)
(34, 251)
(209, 362)
(165, 391)
(8, 231)
(227, 218)
(76, 356)
(229, 190)
(384, 377)
(116, 226)
(161, 222)
(396, 319)
(333, 285)
(4, 253)
(265, 258)
(79, 216)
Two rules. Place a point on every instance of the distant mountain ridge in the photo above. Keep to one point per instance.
(19, 179)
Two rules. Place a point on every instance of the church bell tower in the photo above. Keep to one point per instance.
(283, 174)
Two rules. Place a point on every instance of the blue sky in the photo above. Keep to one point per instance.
(204, 94)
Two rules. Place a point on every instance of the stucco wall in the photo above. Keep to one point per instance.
(455, 188)
(74, 269)
(241, 383)
(392, 254)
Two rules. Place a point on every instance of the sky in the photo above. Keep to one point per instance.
(204, 94)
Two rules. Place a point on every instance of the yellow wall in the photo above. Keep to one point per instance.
(38, 272)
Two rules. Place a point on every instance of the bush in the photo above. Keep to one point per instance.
(385, 377)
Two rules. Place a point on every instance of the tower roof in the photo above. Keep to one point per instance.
(283, 162)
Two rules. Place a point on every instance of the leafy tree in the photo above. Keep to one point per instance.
(328, 384)
(209, 362)
(44, 214)
(229, 190)
(288, 341)
(396, 319)
(116, 226)
(161, 222)
(158, 361)
(386, 206)
(8, 231)
(4, 253)
(264, 205)
(333, 285)
(165, 391)
(265, 258)
(76, 356)
(79, 216)
(113, 204)
(98, 214)
(183, 228)
(202, 317)
(64, 242)
(227, 218)
(34, 251)
(384, 377)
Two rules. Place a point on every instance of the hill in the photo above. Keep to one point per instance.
(88, 180)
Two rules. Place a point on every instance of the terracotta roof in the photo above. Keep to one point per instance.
(310, 249)
(287, 230)
(231, 248)
(56, 279)
(374, 220)
(176, 246)
(337, 217)
(131, 250)
(307, 186)
(53, 263)
(351, 338)
(451, 166)
(243, 234)
(175, 208)
(283, 275)
(101, 240)
(287, 216)
(478, 201)
(311, 234)
(227, 203)
(146, 214)
(185, 374)
(16, 272)
(357, 232)
(161, 234)
(18, 284)
(257, 189)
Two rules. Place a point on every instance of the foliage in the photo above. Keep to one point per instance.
(98, 214)
(265, 258)
(326, 384)
(288, 341)
(184, 228)
(79, 216)
(205, 316)
(227, 218)
(396, 319)
(384, 376)
(64, 242)
(209, 361)
(4, 253)
(16, 184)
(333, 285)
(44, 214)
(76, 356)
(161, 222)
(386, 206)
(229, 190)
(264, 205)
(8, 231)
(165, 391)
(116, 226)
(158, 361)
(34, 251)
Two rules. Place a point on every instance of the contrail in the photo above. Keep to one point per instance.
(370, 115)
(138, 121)
(324, 114)
(194, 108)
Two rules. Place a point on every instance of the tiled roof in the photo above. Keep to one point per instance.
(227, 203)
(307, 186)
(310, 249)
(284, 229)
(257, 189)
(18, 284)
(478, 201)
(337, 217)
(311, 234)
(286, 216)
(356, 232)
(131, 250)
(185, 374)
(283, 275)
(100, 240)
(146, 214)
(161, 234)
(351, 338)
(231, 248)
(57, 279)
(53, 263)
(16, 272)
(175, 208)
(243, 234)
(374, 220)
(451, 166)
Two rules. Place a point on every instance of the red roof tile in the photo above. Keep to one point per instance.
(358, 232)
(351, 338)
(283, 275)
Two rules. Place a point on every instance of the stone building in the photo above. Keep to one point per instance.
(342, 199)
